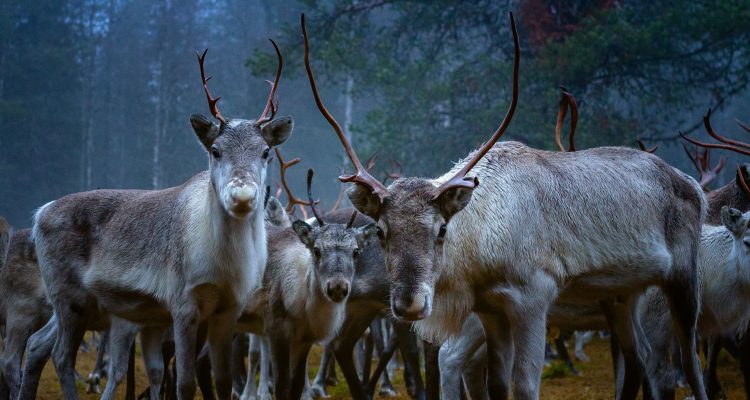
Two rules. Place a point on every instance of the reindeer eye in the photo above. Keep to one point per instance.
(355, 254)
(380, 233)
(266, 152)
(215, 152)
(441, 232)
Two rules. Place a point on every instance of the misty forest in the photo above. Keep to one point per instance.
(494, 279)
(97, 94)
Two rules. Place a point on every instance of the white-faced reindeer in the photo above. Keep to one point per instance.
(188, 254)
(540, 225)
(23, 307)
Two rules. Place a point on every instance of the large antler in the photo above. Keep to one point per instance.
(211, 101)
(361, 175)
(566, 99)
(701, 159)
(264, 117)
(460, 180)
(292, 199)
(728, 144)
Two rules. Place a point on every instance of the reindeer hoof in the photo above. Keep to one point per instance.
(319, 391)
(387, 391)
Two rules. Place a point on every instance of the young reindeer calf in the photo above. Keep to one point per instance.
(307, 280)
(186, 255)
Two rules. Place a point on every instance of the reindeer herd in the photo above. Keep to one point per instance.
(466, 272)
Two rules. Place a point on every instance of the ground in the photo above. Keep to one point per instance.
(595, 382)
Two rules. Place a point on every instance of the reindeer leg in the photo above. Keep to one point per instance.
(456, 353)
(713, 386)
(745, 360)
(239, 373)
(72, 327)
(18, 329)
(185, 339)
(151, 344)
(100, 369)
(475, 375)
(500, 353)
(121, 339)
(409, 347)
(344, 351)
(683, 304)
(318, 387)
(38, 351)
(220, 332)
(265, 379)
(253, 362)
(625, 325)
(203, 374)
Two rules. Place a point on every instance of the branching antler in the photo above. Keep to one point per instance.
(566, 99)
(211, 101)
(274, 85)
(361, 175)
(460, 179)
(726, 143)
(292, 199)
(743, 126)
(701, 159)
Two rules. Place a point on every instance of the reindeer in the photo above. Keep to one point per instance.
(453, 246)
(306, 284)
(23, 307)
(724, 265)
(190, 254)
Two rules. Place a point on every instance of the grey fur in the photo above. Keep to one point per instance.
(186, 254)
(539, 225)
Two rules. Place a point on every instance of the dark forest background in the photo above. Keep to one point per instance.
(97, 93)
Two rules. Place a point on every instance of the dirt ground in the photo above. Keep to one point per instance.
(594, 383)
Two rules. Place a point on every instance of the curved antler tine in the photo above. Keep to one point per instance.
(269, 103)
(741, 178)
(310, 173)
(720, 166)
(211, 101)
(743, 126)
(710, 130)
(646, 149)
(560, 119)
(361, 175)
(573, 120)
(372, 161)
(715, 145)
(351, 220)
(687, 151)
(292, 199)
(460, 179)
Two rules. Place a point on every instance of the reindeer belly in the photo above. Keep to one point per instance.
(132, 305)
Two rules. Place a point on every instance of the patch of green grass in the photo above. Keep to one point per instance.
(556, 369)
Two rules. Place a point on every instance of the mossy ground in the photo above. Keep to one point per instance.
(595, 382)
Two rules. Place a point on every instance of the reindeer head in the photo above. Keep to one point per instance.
(412, 213)
(239, 149)
(737, 223)
(334, 247)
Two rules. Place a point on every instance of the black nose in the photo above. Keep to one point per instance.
(405, 307)
(337, 290)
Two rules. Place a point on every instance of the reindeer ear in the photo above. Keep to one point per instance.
(206, 130)
(277, 131)
(304, 232)
(453, 200)
(733, 219)
(364, 200)
(366, 235)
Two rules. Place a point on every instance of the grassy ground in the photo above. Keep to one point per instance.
(595, 382)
